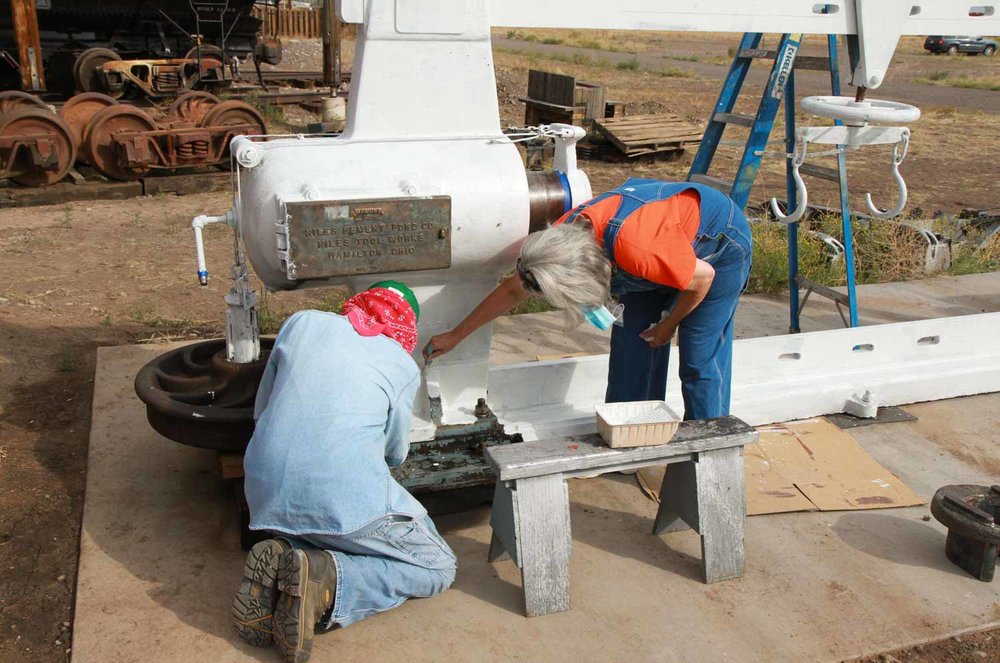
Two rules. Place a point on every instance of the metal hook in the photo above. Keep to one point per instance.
(801, 194)
(897, 158)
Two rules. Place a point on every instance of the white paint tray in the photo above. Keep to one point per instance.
(636, 424)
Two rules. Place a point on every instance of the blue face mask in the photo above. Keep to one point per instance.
(602, 317)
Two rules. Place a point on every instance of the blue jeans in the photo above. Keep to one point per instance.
(382, 565)
(638, 373)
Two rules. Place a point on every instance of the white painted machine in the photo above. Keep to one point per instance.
(424, 186)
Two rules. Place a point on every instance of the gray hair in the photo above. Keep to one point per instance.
(569, 267)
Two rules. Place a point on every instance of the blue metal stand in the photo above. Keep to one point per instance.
(845, 205)
(781, 85)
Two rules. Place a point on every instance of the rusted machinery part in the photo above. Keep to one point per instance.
(208, 52)
(232, 113)
(969, 510)
(195, 396)
(10, 99)
(98, 139)
(85, 69)
(77, 113)
(192, 106)
(34, 124)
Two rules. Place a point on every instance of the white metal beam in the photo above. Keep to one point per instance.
(777, 378)
(922, 16)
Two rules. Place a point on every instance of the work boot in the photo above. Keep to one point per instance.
(307, 580)
(253, 606)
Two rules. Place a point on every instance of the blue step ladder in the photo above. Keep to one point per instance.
(781, 85)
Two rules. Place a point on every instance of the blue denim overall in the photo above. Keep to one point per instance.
(637, 372)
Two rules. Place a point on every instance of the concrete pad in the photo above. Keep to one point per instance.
(160, 560)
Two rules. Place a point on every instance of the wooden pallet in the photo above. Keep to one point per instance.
(637, 135)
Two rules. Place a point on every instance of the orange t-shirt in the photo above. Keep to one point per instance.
(656, 241)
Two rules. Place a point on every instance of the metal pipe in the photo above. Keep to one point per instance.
(547, 199)
(198, 223)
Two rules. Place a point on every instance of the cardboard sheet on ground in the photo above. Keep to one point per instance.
(807, 465)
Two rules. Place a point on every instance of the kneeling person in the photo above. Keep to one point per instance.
(333, 415)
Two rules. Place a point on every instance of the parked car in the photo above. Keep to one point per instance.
(955, 45)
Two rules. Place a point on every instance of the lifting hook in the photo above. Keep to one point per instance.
(898, 154)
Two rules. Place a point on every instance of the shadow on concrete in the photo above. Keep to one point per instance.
(629, 535)
(907, 541)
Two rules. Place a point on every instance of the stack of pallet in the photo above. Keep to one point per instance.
(640, 135)
(610, 136)
(557, 98)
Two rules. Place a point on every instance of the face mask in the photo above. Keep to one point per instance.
(602, 317)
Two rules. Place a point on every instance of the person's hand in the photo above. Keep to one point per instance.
(659, 335)
(441, 344)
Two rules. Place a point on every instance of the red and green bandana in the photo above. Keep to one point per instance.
(383, 311)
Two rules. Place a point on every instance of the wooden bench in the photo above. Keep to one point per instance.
(702, 489)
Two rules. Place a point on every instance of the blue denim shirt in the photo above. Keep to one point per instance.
(333, 415)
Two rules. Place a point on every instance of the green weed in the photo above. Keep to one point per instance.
(68, 362)
(552, 41)
(960, 81)
(631, 64)
(674, 72)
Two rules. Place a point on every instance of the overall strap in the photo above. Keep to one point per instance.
(635, 193)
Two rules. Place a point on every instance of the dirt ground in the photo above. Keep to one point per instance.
(78, 276)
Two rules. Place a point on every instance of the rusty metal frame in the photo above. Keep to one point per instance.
(41, 157)
(160, 149)
(156, 68)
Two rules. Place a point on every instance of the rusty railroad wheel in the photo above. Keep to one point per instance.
(34, 121)
(99, 144)
(192, 106)
(77, 113)
(85, 69)
(11, 99)
(234, 112)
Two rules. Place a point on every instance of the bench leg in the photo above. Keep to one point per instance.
(678, 499)
(497, 551)
(503, 543)
(722, 512)
(544, 542)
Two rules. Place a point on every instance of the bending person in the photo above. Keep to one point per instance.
(333, 415)
(676, 255)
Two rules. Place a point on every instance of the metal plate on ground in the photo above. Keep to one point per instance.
(886, 415)
(349, 237)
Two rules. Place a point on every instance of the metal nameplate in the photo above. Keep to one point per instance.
(348, 237)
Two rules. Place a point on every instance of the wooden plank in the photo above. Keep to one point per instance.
(722, 513)
(544, 543)
(65, 192)
(24, 18)
(551, 87)
(678, 500)
(503, 543)
(588, 452)
(631, 119)
(537, 103)
(183, 184)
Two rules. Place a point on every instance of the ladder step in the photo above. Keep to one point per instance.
(722, 185)
(810, 62)
(758, 53)
(821, 172)
(741, 119)
(822, 290)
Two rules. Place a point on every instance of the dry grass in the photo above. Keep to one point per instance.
(948, 79)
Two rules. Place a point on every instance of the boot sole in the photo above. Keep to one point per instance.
(253, 605)
(290, 629)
